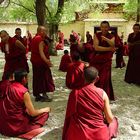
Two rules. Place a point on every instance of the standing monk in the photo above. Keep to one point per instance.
(42, 77)
(60, 45)
(15, 54)
(104, 44)
(89, 38)
(133, 68)
(119, 52)
(19, 37)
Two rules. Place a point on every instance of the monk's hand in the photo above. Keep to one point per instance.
(46, 109)
(104, 38)
(86, 64)
(114, 49)
(49, 63)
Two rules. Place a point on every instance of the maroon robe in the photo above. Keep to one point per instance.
(102, 61)
(42, 77)
(88, 52)
(21, 40)
(75, 75)
(119, 52)
(89, 39)
(14, 119)
(60, 44)
(15, 58)
(84, 116)
(132, 74)
(65, 61)
(74, 48)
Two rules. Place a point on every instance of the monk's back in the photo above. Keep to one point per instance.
(90, 106)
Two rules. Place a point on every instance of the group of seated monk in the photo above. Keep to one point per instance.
(88, 114)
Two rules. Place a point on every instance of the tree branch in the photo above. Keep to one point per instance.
(18, 4)
(48, 10)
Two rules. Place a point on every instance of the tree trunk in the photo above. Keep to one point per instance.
(53, 29)
(40, 11)
(138, 12)
(1, 1)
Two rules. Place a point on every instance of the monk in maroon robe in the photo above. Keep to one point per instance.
(74, 47)
(65, 61)
(17, 113)
(60, 44)
(87, 111)
(104, 44)
(119, 52)
(75, 76)
(89, 38)
(132, 74)
(15, 54)
(125, 49)
(42, 77)
(19, 37)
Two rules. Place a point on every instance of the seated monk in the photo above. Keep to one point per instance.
(75, 76)
(65, 61)
(17, 113)
(87, 111)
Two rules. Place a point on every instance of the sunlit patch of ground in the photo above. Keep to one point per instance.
(126, 107)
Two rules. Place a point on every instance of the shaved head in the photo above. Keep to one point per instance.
(4, 36)
(41, 30)
(90, 74)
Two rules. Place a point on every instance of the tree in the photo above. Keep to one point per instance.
(132, 10)
(138, 11)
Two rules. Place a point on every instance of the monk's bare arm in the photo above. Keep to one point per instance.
(21, 46)
(43, 57)
(100, 48)
(111, 42)
(107, 111)
(30, 108)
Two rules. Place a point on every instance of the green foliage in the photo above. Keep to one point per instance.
(130, 9)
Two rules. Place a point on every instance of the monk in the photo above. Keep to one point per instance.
(125, 49)
(88, 114)
(119, 52)
(132, 74)
(104, 44)
(18, 36)
(60, 44)
(75, 76)
(29, 40)
(15, 54)
(18, 115)
(74, 47)
(65, 61)
(89, 38)
(42, 77)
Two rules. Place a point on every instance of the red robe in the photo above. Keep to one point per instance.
(42, 77)
(125, 50)
(132, 74)
(15, 58)
(65, 61)
(74, 48)
(84, 116)
(89, 39)
(102, 61)
(14, 119)
(75, 75)
(60, 44)
(21, 40)
(88, 52)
